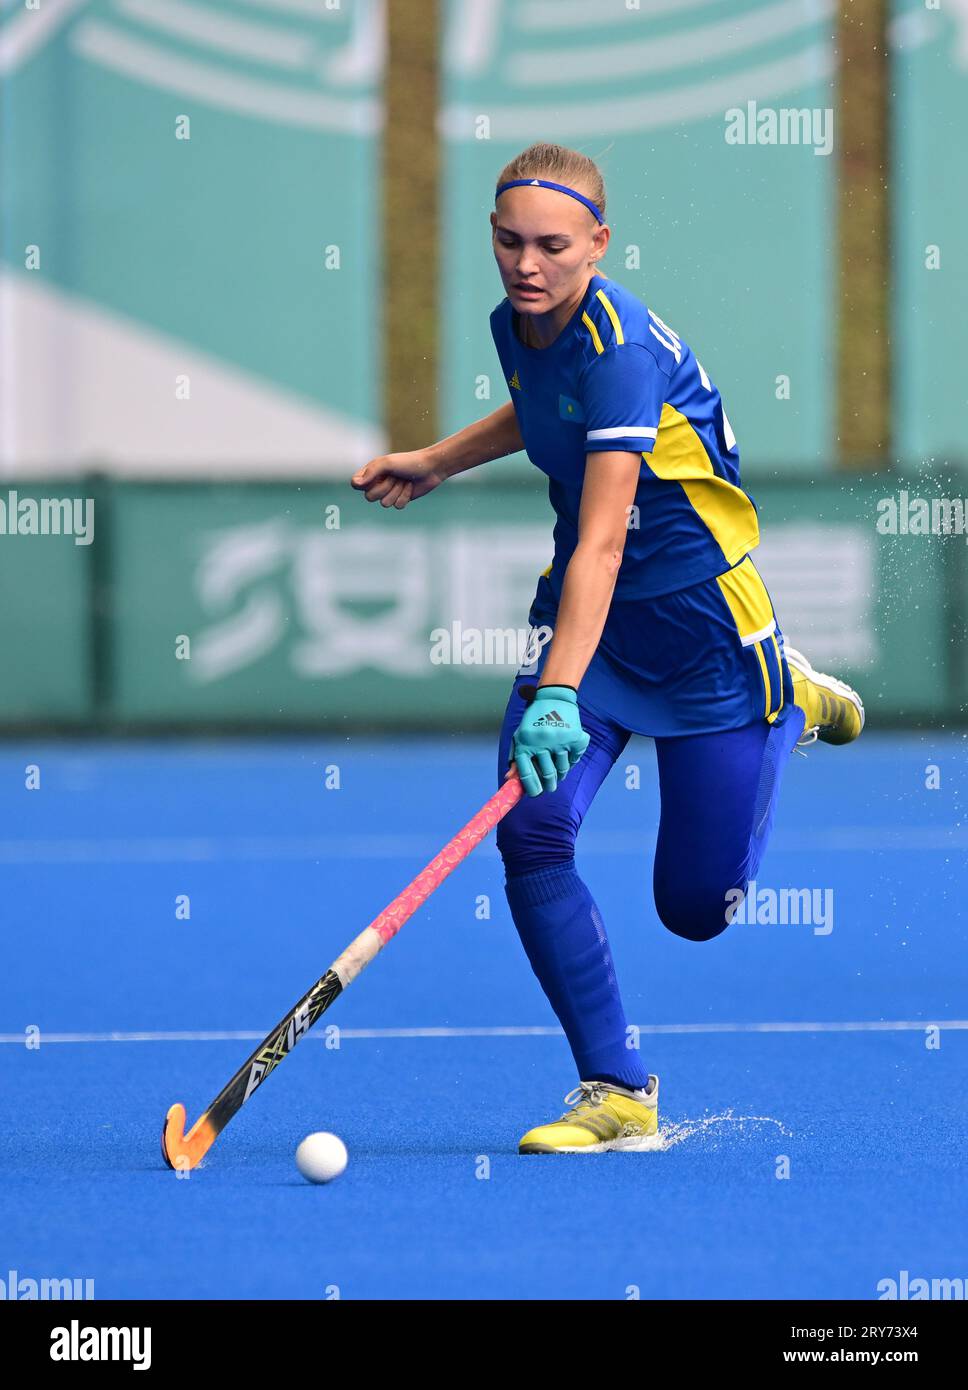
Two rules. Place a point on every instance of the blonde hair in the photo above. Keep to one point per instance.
(560, 165)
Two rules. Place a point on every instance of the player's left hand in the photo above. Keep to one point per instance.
(549, 740)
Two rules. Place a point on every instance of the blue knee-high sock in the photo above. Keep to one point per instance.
(563, 934)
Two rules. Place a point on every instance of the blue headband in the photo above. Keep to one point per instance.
(558, 187)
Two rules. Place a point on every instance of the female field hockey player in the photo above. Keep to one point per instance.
(662, 625)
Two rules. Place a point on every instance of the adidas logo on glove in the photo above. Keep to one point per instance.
(553, 718)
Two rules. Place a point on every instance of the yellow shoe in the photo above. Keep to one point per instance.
(603, 1117)
(835, 713)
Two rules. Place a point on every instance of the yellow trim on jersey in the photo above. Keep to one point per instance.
(616, 323)
(758, 648)
(680, 457)
(779, 667)
(545, 573)
(749, 603)
(745, 594)
(594, 332)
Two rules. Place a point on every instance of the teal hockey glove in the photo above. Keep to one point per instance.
(549, 740)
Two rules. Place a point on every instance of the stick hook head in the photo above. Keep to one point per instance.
(173, 1134)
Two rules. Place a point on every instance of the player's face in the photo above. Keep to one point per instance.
(545, 246)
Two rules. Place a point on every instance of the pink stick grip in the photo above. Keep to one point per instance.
(405, 904)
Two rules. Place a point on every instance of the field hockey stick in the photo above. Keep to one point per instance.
(184, 1151)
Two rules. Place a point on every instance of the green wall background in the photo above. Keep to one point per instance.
(734, 241)
(218, 240)
(930, 118)
(218, 243)
(292, 621)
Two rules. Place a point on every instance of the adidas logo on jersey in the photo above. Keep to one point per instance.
(515, 381)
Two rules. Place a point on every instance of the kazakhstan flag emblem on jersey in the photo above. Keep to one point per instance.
(570, 410)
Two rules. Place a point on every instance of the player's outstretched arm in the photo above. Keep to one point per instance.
(393, 480)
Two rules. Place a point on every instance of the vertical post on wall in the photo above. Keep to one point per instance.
(411, 240)
(863, 242)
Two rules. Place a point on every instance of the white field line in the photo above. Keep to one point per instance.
(247, 1035)
(210, 849)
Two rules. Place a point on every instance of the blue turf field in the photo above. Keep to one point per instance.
(281, 873)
